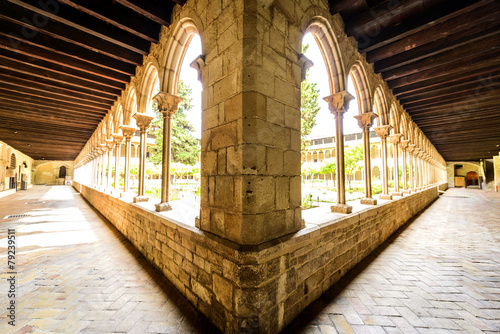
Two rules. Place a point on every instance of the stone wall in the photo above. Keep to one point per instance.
(257, 288)
(47, 172)
(467, 167)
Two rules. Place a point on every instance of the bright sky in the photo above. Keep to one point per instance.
(325, 122)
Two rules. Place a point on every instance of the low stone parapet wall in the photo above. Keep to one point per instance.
(256, 288)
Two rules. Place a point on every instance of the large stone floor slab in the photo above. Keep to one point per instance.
(440, 273)
(76, 274)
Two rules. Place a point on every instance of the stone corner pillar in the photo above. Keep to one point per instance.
(383, 132)
(403, 145)
(365, 121)
(167, 105)
(250, 145)
(394, 139)
(143, 122)
(338, 104)
(128, 133)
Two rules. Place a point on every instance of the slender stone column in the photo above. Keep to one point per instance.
(394, 140)
(118, 139)
(338, 105)
(382, 133)
(143, 121)
(416, 163)
(167, 105)
(365, 121)
(403, 144)
(410, 149)
(422, 172)
(111, 146)
(128, 133)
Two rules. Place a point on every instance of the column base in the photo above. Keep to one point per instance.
(368, 201)
(165, 206)
(141, 199)
(341, 208)
(397, 193)
(405, 192)
(385, 197)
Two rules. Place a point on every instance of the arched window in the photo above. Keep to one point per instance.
(13, 162)
(62, 172)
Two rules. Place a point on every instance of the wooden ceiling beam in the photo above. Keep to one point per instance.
(40, 74)
(8, 101)
(457, 79)
(466, 89)
(455, 28)
(122, 18)
(63, 95)
(71, 35)
(29, 116)
(474, 63)
(10, 88)
(15, 34)
(441, 13)
(491, 95)
(437, 48)
(41, 103)
(20, 79)
(24, 62)
(61, 60)
(159, 12)
(484, 49)
(79, 21)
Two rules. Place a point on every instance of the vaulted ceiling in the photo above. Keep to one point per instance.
(64, 63)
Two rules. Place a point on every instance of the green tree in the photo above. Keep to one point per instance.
(184, 146)
(328, 166)
(353, 161)
(309, 105)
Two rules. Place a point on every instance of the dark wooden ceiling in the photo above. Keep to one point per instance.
(441, 58)
(63, 65)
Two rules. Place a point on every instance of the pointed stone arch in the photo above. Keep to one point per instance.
(174, 53)
(363, 94)
(380, 106)
(327, 42)
(146, 90)
(130, 107)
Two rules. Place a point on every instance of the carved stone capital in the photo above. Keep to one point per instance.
(110, 144)
(104, 148)
(143, 121)
(338, 103)
(128, 131)
(365, 121)
(383, 131)
(410, 148)
(167, 103)
(117, 138)
(394, 138)
(403, 144)
(304, 63)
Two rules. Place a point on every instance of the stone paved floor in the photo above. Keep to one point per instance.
(439, 274)
(77, 274)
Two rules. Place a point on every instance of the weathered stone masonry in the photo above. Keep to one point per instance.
(257, 288)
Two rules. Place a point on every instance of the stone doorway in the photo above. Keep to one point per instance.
(472, 179)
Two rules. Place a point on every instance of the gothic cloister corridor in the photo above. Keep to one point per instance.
(439, 273)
